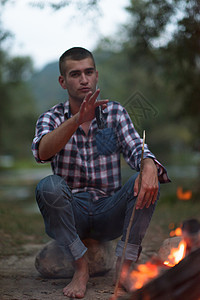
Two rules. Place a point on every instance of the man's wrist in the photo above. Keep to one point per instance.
(76, 119)
(148, 161)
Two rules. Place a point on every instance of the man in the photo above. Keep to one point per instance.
(84, 198)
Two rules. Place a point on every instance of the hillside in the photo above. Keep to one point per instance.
(46, 88)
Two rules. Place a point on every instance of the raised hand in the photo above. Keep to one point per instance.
(87, 108)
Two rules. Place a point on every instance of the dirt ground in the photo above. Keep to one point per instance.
(19, 280)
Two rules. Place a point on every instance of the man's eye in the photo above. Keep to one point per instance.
(90, 72)
(75, 74)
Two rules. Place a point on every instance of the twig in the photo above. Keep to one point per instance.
(130, 222)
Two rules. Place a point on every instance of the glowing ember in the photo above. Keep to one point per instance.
(171, 225)
(187, 195)
(176, 232)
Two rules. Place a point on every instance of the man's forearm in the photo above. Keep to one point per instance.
(54, 141)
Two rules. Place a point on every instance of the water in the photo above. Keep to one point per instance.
(19, 185)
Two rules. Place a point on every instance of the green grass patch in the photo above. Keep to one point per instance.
(19, 227)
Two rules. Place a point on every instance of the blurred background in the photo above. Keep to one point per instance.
(148, 57)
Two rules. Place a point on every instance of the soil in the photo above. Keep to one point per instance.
(19, 280)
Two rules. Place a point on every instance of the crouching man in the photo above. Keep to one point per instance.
(83, 139)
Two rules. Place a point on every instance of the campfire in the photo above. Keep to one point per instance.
(181, 269)
(146, 272)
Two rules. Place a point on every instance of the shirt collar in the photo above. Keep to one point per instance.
(67, 111)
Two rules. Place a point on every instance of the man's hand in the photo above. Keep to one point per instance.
(87, 108)
(149, 185)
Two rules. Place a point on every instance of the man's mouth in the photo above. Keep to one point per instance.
(85, 89)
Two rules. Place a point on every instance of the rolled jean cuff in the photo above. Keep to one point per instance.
(132, 251)
(75, 250)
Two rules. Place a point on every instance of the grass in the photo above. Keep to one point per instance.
(19, 227)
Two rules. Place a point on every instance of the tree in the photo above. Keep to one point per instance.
(183, 63)
(56, 5)
(17, 109)
(163, 37)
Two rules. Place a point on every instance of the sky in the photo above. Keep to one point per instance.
(45, 34)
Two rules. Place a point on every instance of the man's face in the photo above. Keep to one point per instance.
(80, 78)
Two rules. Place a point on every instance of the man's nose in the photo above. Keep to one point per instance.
(84, 79)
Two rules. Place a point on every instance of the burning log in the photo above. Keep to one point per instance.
(178, 283)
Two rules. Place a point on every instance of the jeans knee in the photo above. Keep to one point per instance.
(129, 185)
(54, 191)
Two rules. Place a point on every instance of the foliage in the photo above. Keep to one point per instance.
(148, 22)
(17, 111)
(183, 63)
(163, 36)
(83, 5)
(3, 2)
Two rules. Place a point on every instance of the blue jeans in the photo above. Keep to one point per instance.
(70, 218)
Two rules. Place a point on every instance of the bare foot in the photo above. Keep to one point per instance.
(77, 287)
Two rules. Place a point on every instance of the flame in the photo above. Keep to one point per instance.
(176, 255)
(143, 274)
(187, 195)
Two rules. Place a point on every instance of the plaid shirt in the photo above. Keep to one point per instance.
(92, 163)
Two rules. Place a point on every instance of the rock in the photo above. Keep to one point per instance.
(51, 261)
(167, 246)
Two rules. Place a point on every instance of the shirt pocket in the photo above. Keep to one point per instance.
(106, 141)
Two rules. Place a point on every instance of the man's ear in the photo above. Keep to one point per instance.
(62, 82)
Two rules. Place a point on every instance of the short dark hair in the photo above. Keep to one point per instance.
(75, 53)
